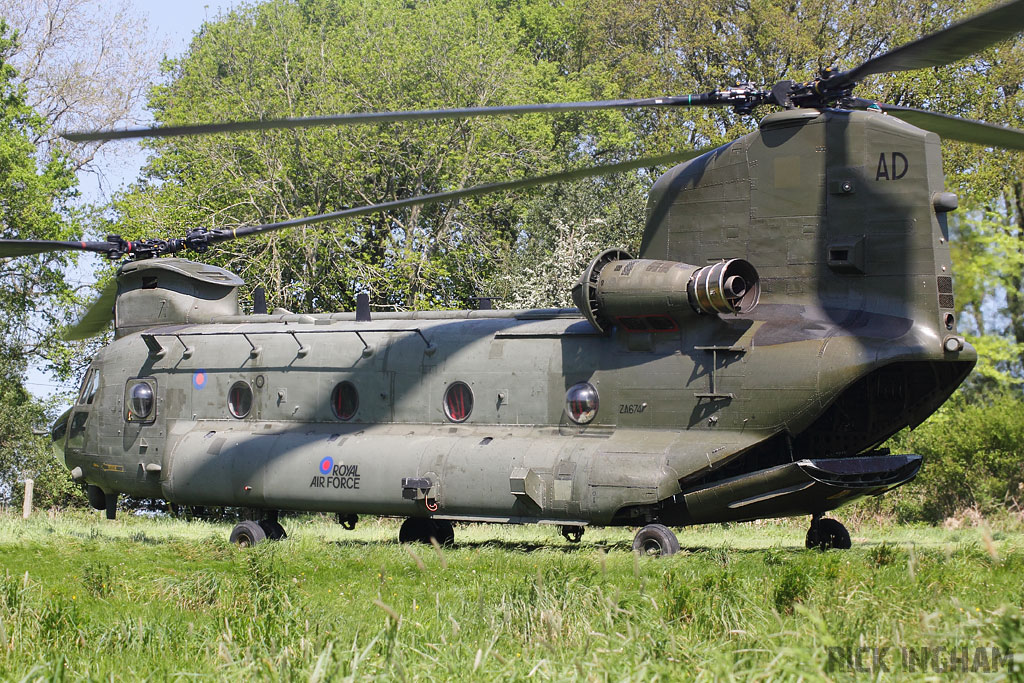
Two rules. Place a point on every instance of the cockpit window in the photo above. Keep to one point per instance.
(85, 383)
(90, 385)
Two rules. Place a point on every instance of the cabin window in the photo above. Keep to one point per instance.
(581, 403)
(458, 401)
(345, 400)
(240, 399)
(140, 400)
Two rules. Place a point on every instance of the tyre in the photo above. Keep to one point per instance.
(414, 530)
(247, 534)
(421, 530)
(97, 499)
(273, 529)
(444, 532)
(827, 534)
(656, 540)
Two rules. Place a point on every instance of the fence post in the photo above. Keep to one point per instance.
(26, 510)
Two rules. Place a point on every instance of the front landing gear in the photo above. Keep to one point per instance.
(248, 533)
(572, 533)
(273, 529)
(422, 530)
(827, 533)
(656, 540)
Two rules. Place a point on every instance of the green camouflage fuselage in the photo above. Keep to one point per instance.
(775, 411)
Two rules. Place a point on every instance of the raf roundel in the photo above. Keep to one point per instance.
(326, 465)
(199, 379)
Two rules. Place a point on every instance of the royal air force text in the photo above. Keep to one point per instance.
(341, 477)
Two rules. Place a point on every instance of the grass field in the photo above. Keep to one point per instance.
(81, 597)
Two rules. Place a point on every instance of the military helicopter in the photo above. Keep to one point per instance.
(790, 308)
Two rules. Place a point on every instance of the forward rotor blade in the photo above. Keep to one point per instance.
(11, 248)
(953, 127)
(705, 99)
(222, 235)
(98, 316)
(946, 46)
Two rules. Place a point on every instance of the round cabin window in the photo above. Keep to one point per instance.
(345, 401)
(142, 401)
(581, 403)
(458, 401)
(240, 399)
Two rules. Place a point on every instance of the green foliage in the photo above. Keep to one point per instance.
(310, 57)
(1011, 639)
(326, 604)
(325, 56)
(973, 458)
(98, 579)
(34, 203)
(793, 587)
(883, 554)
(35, 299)
(987, 233)
(284, 58)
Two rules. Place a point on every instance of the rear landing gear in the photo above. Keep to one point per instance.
(656, 540)
(421, 530)
(572, 533)
(826, 533)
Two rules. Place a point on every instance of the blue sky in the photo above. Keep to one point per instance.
(177, 20)
(173, 24)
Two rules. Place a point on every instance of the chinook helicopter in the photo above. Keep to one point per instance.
(790, 308)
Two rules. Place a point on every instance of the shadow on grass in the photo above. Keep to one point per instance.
(582, 548)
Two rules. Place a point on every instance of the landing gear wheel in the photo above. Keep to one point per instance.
(444, 532)
(247, 534)
(421, 530)
(273, 529)
(827, 533)
(656, 540)
(97, 499)
(348, 521)
(572, 533)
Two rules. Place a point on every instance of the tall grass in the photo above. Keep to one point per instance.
(161, 599)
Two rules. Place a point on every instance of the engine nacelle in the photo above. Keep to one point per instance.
(169, 291)
(644, 295)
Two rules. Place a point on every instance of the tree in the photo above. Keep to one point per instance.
(308, 57)
(322, 56)
(651, 47)
(35, 297)
(988, 230)
(84, 63)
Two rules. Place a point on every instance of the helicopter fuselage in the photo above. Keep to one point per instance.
(779, 410)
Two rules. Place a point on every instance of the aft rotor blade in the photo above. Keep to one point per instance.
(944, 47)
(704, 99)
(98, 316)
(11, 248)
(954, 127)
(221, 235)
